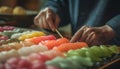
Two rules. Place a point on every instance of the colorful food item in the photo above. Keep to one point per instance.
(17, 63)
(37, 40)
(96, 53)
(68, 46)
(96, 50)
(32, 49)
(30, 35)
(24, 51)
(8, 54)
(3, 37)
(38, 57)
(105, 50)
(34, 61)
(114, 49)
(73, 62)
(52, 53)
(15, 45)
(89, 53)
(6, 28)
(19, 33)
(53, 59)
(54, 43)
(78, 52)
(26, 43)
(7, 47)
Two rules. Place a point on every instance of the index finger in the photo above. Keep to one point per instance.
(50, 20)
(78, 34)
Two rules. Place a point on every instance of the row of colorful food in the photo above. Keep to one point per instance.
(38, 50)
(42, 58)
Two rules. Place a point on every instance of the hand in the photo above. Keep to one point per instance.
(47, 19)
(94, 35)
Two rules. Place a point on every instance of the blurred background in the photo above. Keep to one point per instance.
(27, 4)
(19, 13)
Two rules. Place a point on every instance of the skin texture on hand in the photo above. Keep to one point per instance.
(94, 35)
(47, 19)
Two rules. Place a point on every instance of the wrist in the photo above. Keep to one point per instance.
(108, 32)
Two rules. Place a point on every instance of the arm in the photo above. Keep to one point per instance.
(61, 8)
(114, 23)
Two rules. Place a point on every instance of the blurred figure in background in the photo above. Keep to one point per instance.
(93, 21)
(27, 4)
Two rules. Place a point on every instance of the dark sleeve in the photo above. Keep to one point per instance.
(114, 23)
(61, 8)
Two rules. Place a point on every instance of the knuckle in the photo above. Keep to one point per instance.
(48, 9)
(48, 17)
(42, 14)
(36, 18)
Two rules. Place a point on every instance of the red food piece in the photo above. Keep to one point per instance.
(2, 66)
(36, 56)
(52, 43)
(17, 63)
(24, 64)
(8, 28)
(1, 29)
(12, 63)
(51, 67)
(52, 53)
(3, 38)
(38, 65)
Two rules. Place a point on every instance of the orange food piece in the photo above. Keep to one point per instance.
(37, 40)
(53, 43)
(67, 46)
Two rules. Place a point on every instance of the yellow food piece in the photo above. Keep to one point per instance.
(37, 33)
(30, 35)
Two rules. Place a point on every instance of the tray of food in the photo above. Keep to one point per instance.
(32, 49)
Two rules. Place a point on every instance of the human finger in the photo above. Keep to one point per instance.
(45, 24)
(40, 24)
(92, 40)
(77, 35)
(88, 39)
(38, 19)
(49, 19)
(86, 32)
